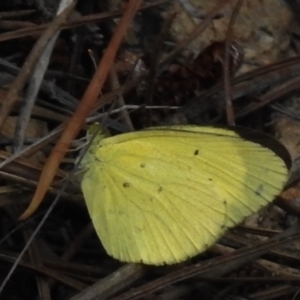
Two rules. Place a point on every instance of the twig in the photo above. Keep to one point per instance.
(113, 283)
(227, 87)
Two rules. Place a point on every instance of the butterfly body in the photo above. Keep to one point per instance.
(163, 195)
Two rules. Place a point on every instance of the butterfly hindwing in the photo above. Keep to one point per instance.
(163, 195)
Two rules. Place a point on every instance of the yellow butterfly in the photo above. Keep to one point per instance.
(163, 195)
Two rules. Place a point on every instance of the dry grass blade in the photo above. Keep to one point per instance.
(84, 109)
(34, 85)
(83, 20)
(218, 266)
(30, 63)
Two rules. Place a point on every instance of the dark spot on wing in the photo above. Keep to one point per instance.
(160, 189)
(138, 229)
(97, 159)
(210, 179)
(142, 165)
(196, 152)
(259, 190)
(126, 184)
